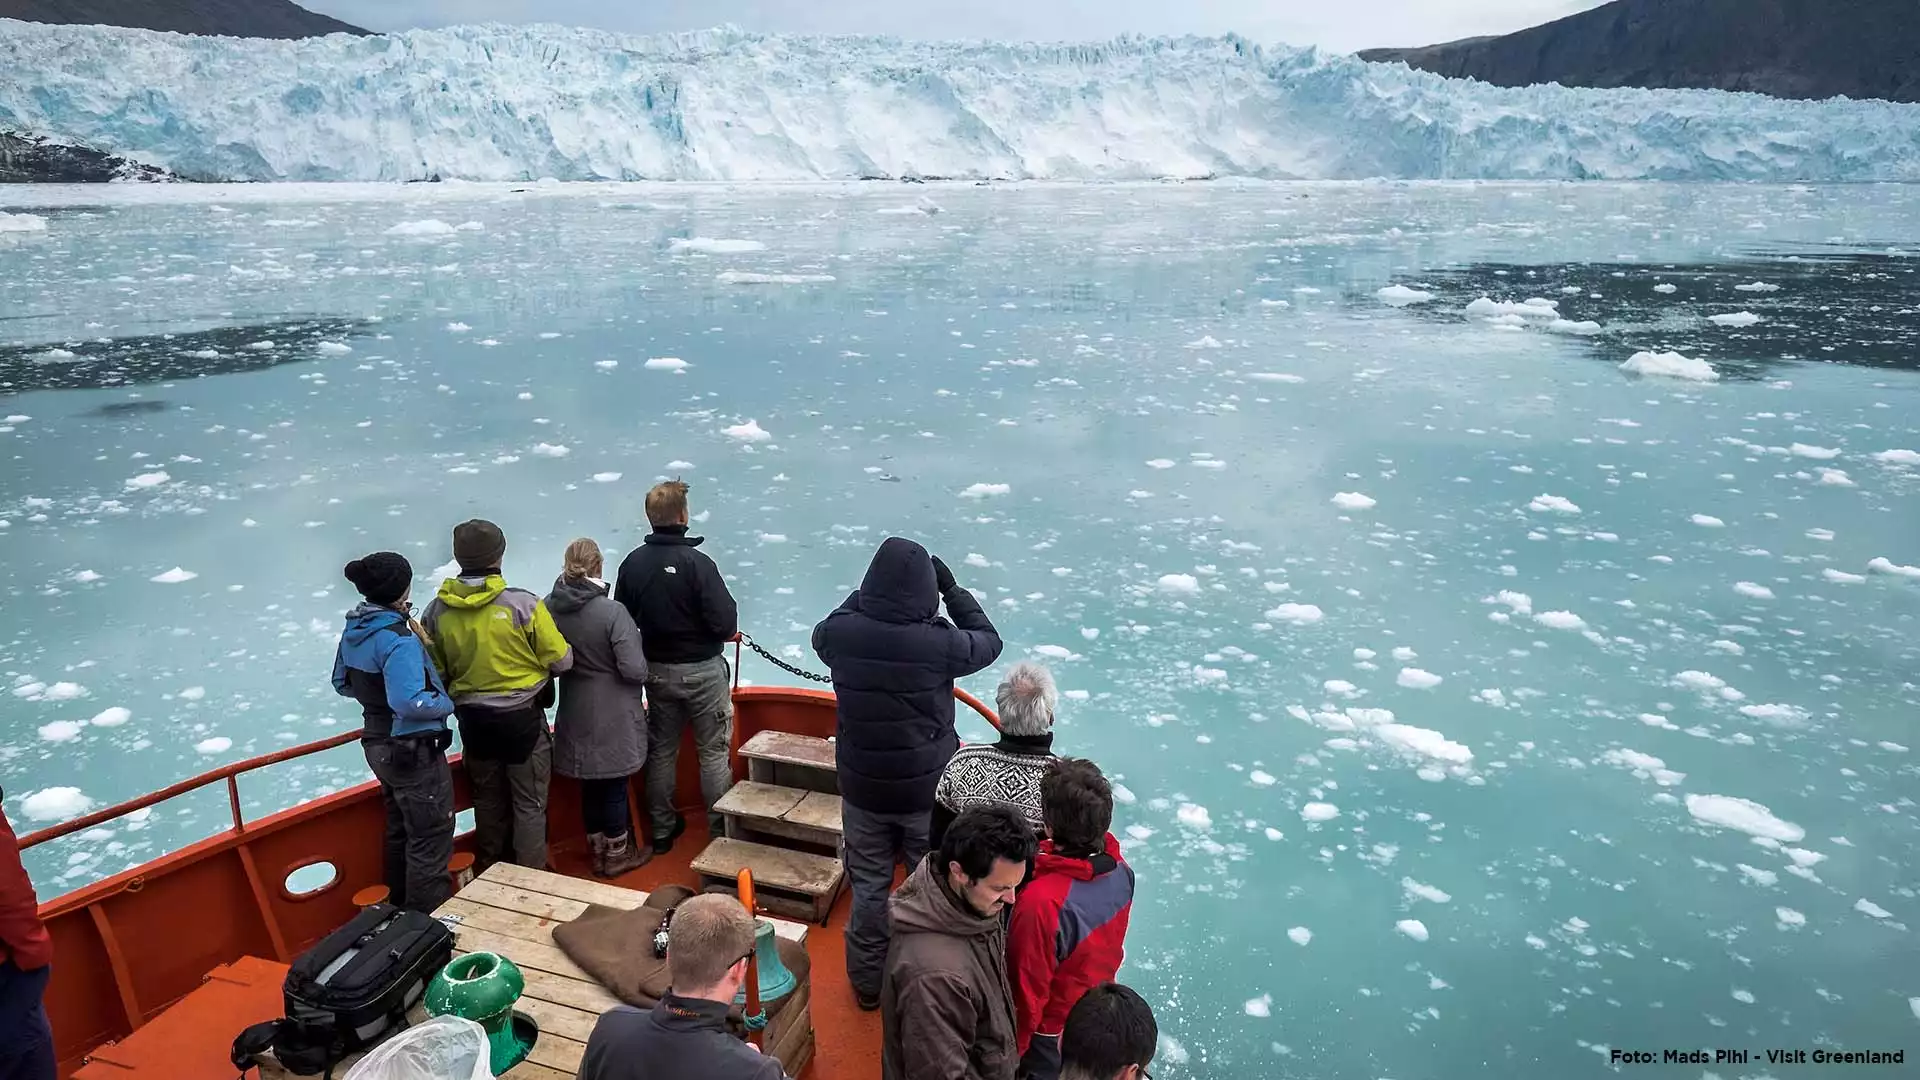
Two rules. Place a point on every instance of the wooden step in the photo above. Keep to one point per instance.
(770, 812)
(790, 882)
(795, 761)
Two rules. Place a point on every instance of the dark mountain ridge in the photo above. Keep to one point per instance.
(232, 18)
(1785, 48)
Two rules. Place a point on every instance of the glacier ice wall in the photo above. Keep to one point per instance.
(521, 103)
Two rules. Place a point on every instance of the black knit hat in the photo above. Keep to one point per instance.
(478, 545)
(382, 577)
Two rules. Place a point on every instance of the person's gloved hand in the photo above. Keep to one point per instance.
(943, 577)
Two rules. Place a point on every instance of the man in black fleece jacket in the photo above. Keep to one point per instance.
(893, 660)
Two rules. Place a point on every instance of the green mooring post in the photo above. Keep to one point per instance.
(483, 987)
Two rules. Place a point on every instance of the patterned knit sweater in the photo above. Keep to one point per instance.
(1006, 772)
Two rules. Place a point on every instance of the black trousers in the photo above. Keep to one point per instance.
(417, 787)
(604, 808)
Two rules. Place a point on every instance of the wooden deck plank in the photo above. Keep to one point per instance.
(522, 898)
(528, 1070)
(559, 1021)
(790, 749)
(524, 953)
(513, 924)
(818, 810)
(559, 1054)
(550, 884)
(777, 868)
(750, 798)
(579, 994)
(508, 898)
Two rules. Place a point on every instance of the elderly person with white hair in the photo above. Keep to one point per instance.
(1006, 772)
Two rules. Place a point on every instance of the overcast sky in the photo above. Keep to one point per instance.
(1336, 24)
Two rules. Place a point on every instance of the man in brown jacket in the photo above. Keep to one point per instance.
(946, 1002)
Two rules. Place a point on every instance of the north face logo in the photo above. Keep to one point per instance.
(501, 615)
(672, 570)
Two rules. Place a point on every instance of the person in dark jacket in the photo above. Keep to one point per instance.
(685, 1036)
(893, 661)
(26, 963)
(382, 663)
(686, 616)
(600, 732)
(1069, 927)
(1110, 1035)
(946, 1006)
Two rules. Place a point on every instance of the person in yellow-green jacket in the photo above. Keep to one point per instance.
(499, 651)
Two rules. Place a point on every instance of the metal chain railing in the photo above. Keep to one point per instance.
(782, 664)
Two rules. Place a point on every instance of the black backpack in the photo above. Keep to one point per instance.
(350, 990)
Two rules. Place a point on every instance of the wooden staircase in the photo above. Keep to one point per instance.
(783, 823)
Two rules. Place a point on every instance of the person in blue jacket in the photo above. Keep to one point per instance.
(382, 663)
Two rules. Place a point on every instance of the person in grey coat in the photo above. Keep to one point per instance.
(600, 732)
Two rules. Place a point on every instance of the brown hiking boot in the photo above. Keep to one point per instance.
(622, 855)
(598, 842)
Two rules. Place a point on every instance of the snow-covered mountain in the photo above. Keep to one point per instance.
(518, 103)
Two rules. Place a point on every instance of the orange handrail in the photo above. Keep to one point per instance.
(226, 772)
(745, 882)
(960, 695)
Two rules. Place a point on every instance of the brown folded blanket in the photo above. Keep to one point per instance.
(615, 948)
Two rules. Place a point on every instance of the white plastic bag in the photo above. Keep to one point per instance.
(443, 1048)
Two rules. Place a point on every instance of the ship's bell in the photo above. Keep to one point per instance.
(776, 981)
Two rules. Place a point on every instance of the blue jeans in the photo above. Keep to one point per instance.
(603, 806)
(26, 1040)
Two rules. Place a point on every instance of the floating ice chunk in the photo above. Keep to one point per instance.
(1835, 478)
(1645, 766)
(1666, 287)
(1275, 834)
(1206, 342)
(1584, 327)
(1560, 620)
(1670, 365)
(1555, 504)
(1737, 318)
(1262, 778)
(1401, 295)
(1353, 500)
(1194, 816)
(1789, 918)
(1413, 928)
(1745, 815)
(61, 731)
(1275, 376)
(1056, 652)
(1757, 875)
(975, 559)
(174, 576)
(21, 223)
(1139, 832)
(1422, 742)
(470, 226)
(1701, 681)
(1707, 521)
(1756, 591)
(1883, 565)
(55, 804)
(1171, 1051)
(1778, 715)
(676, 464)
(1898, 457)
(666, 363)
(1124, 795)
(1319, 811)
(1340, 688)
(1180, 584)
(1295, 614)
(1520, 602)
(1817, 453)
(1417, 891)
(1871, 909)
(1418, 679)
(193, 693)
(749, 432)
(985, 491)
(147, 480)
(86, 577)
(606, 477)
(63, 691)
(1403, 654)
(1757, 286)
(1301, 935)
(1914, 1004)
(458, 328)
(112, 717)
(219, 744)
(1803, 857)
(333, 348)
(606, 365)
(1537, 308)
(701, 245)
(743, 277)
(553, 450)
(1744, 997)
(424, 227)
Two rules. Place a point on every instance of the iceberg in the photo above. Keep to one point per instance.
(520, 103)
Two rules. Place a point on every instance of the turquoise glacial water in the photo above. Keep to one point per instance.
(1479, 707)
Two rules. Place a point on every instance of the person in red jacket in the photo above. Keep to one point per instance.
(1069, 926)
(26, 1042)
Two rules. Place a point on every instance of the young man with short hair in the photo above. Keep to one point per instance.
(686, 617)
(1110, 1035)
(685, 1036)
(945, 1004)
(1069, 927)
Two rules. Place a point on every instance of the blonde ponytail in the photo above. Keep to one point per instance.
(583, 560)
